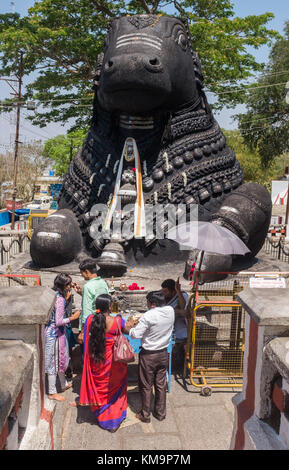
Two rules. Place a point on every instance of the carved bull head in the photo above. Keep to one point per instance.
(147, 64)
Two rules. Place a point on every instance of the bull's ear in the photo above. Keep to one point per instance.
(198, 68)
(98, 68)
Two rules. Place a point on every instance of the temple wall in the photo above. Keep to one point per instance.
(262, 407)
(26, 417)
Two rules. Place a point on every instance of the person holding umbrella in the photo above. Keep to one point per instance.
(178, 299)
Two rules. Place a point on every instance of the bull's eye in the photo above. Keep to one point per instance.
(182, 41)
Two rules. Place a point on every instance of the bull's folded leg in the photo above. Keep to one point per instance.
(57, 240)
(247, 213)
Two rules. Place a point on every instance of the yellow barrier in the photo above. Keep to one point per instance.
(35, 218)
(215, 356)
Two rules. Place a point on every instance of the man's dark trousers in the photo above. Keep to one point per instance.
(153, 366)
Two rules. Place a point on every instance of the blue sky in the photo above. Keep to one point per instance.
(243, 8)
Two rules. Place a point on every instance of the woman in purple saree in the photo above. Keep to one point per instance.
(56, 350)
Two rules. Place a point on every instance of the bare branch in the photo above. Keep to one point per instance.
(103, 8)
(179, 8)
(155, 6)
(145, 6)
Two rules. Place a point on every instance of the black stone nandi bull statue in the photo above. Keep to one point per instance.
(148, 86)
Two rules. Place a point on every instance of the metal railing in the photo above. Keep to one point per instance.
(276, 247)
(11, 280)
(13, 244)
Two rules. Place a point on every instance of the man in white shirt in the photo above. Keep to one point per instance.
(155, 329)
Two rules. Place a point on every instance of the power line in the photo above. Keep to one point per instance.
(245, 89)
(232, 90)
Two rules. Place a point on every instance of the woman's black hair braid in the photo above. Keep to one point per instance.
(97, 329)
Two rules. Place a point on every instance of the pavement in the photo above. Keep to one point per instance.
(193, 422)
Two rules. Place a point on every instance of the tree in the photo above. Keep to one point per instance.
(251, 161)
(62, 38)
(265, 126)
(59, 148)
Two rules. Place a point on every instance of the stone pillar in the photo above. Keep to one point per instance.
(265, 383)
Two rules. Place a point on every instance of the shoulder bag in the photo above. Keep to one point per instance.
(122, 351)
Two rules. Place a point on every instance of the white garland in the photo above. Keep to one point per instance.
(109, 200)
(145, 168)
(107, 160)
(115, 166)
(165, 155)
(185, 178)
(100, 189)
(91, 178)
(169, 191)
(156, 197)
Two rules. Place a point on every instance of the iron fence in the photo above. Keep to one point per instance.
(12, 245)
(276, 247)
(11, 280)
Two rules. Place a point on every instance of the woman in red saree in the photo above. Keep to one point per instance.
(104, 381)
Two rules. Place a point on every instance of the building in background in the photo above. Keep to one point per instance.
(48, 184)
(279, 196)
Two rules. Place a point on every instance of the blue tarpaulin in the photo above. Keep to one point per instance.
(22, 211)
(4, 218)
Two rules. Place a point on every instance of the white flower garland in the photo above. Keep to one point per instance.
(100, 189)
(169, 191)
(145, 168)
(185, 178)
(109, 200)
(165, 155)
(156, 197)
(107, 160)
(91, 178)
(115, 166)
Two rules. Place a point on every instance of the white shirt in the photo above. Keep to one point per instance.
(181, 323)
(155, 328)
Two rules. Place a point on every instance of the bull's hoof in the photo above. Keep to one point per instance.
(112, 260)
(57, 240)
(214, 266)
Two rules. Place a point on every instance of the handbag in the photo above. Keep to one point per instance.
(122, 351)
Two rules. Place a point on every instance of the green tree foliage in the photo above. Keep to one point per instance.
(62, 38)
(60, 148)
(251, 161)
(265, 127)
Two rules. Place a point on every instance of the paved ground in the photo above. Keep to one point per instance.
(193, 422)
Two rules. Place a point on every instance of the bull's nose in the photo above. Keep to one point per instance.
(151, 63)
(109, 66)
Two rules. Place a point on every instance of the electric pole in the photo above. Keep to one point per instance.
(15, 171)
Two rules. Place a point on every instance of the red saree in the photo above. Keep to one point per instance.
(104, 385)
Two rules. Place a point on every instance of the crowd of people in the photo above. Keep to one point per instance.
(104, 380)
